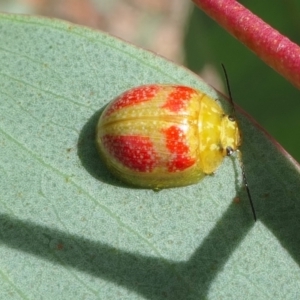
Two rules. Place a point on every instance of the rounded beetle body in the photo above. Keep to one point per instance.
(160, 136)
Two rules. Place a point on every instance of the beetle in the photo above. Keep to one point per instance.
(159, 136)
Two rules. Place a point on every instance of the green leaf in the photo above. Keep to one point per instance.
(69, 230)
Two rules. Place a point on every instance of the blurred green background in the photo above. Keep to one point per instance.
(179, 31)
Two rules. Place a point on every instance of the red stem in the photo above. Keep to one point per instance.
(272, 47)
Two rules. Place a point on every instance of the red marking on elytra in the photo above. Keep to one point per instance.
(178, 98)
(179, 150)
(135, 152)
(133, 97)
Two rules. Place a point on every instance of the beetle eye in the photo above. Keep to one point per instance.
(231, 118)
(229, 151)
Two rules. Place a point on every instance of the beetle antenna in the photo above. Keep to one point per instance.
(239, 152)
(246, 183)
(229, 91)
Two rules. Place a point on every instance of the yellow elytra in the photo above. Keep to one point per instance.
(161, 136)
